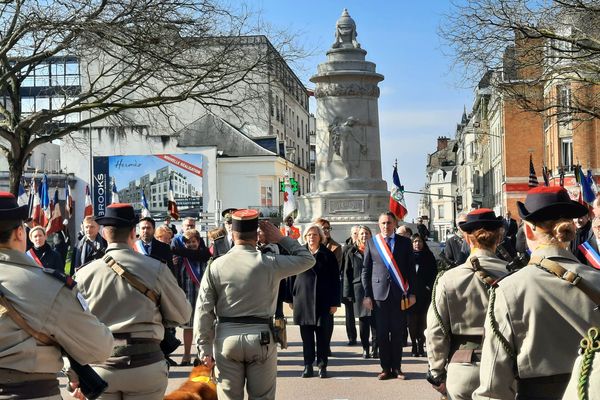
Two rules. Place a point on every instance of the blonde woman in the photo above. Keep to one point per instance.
(538, 315)
(316, 297)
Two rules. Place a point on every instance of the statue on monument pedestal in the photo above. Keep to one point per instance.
(345, 32)
(348, 142)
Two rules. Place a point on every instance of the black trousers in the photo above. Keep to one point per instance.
(350, 320)
(366, 326)
(417, 320)
(390, 324)
(322, 333)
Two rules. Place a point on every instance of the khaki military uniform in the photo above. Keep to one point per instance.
(137, 369)
(51, 307)
(454, 336)
(542, 318)
(244, 284)
(589, 377)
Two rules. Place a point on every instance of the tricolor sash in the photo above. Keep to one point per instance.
(35, 258)
(139, 247)
(193, 273)
(590, 254)
(388, 259)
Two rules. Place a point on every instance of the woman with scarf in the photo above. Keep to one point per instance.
(353, 290)
(191, 263)
(41, 252)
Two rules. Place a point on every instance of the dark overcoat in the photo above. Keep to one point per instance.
(352, 262)
(316, 290)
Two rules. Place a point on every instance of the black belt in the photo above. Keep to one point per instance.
(460, 342)
(246, 320)
(542, 388)
(30, 389)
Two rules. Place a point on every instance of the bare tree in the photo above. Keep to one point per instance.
(131, 55)
(531, 46)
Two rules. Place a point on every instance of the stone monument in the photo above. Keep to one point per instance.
(349, 187)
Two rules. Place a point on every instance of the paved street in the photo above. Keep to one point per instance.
(351, 377)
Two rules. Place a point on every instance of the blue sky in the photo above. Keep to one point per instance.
(420, 96)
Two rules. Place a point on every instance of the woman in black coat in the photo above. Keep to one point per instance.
(354, 291)
(42, 253)
(426, 267)
(316, 297)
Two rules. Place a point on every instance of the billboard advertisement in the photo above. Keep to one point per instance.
(134, 177)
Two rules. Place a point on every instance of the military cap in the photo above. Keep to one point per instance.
(119, 215)
(10, 210)
(547, 203)
(245, 220)
(226, 214)
(481, 218)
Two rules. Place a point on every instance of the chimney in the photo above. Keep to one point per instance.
(442, 142)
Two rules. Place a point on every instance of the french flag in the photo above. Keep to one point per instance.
(145, 210)
(22, 198)
(36, 209)
(172, 205)
(55, 224)
(89, 208)
(45, 202)
(68, 201)
(397, 203)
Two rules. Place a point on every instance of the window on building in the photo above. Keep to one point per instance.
(566, 152)
(266, 195)
(43, 159)
(440, 210)
(440, 193)
(563, 98)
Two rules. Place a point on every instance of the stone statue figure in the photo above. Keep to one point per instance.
(345, 32)
(348, 142)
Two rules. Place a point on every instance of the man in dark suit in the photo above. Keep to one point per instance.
(385, 294)
(149, 246)
(91, 246)
(510, 228)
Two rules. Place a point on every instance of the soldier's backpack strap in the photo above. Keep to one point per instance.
(487, 279)
(590, 345)
(572, 277)
(6, 307)
(131, 279)
(67, 280)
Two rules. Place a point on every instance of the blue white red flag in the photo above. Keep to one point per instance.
(55, 224)
(22, 197)
(145, 210)
(68, 200)
(587, 193)
(45, 202)
(397, 203)
(171, 204)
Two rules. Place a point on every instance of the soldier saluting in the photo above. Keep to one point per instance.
(52, 310)
(538, 315)
(135, 296)
(239, 291)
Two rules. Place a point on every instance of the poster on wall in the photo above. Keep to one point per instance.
(130, 179)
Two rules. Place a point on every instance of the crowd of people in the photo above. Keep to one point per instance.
(506, 294)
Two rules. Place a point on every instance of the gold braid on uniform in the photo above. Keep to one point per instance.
(590, 345)
(436, 313)
(494, 325)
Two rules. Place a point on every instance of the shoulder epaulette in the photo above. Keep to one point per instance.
(67, 280)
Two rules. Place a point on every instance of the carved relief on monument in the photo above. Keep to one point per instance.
(348, 144)
(345, 32)
(346, 89)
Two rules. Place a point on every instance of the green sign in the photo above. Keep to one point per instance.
(293, 184)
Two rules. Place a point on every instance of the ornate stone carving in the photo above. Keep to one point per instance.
(347, 143)
(345, 32)
(346, 89)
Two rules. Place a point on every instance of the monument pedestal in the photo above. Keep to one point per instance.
(349, 187)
